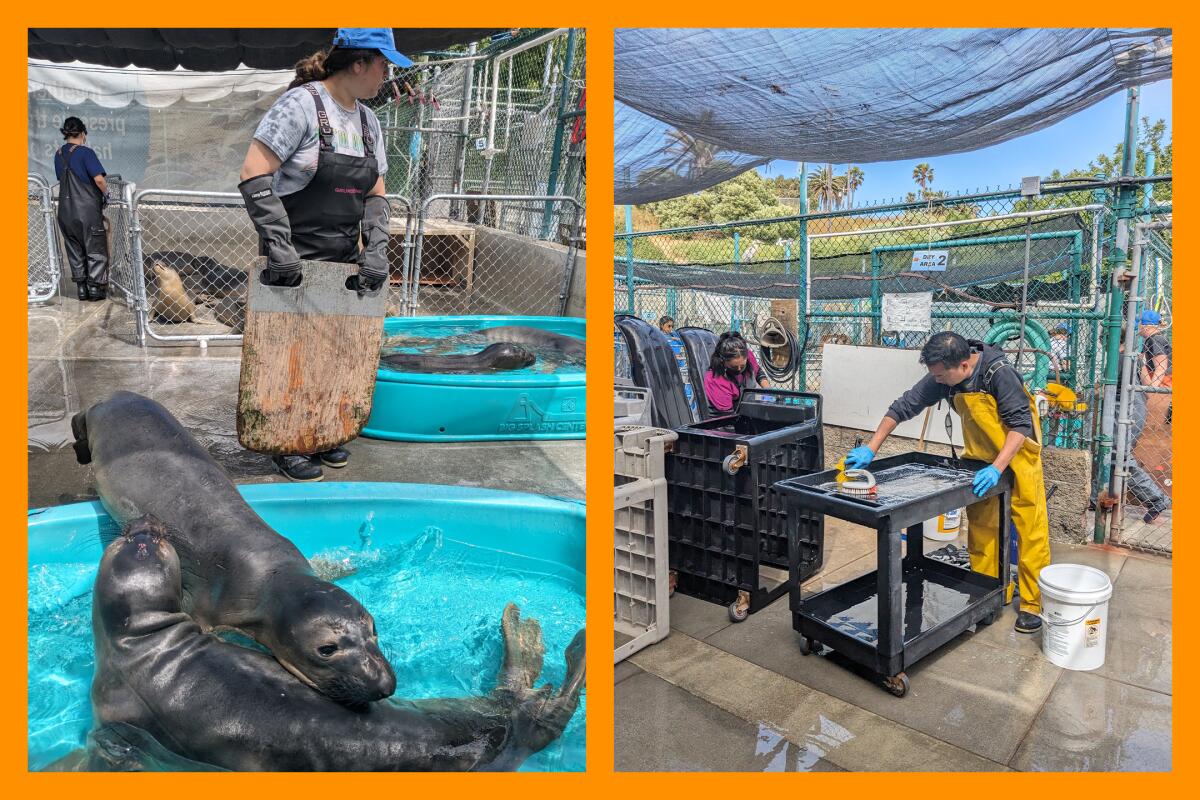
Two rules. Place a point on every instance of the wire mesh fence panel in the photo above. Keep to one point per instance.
(124, 276)
(1145, 521)
(43, 273)
(194, 254)
(489, 122)
(462, 268)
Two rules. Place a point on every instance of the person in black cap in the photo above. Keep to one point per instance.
(313, 179)
(81, 199)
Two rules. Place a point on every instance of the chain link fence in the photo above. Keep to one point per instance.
(477, 269)
(505, 120)
(1030, 275)
(44, 270)
(1143, 463)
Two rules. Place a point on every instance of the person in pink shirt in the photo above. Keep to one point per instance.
(732, 368)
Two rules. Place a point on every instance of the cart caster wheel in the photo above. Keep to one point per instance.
(737, 613)
(897, 684)
(728, 464)
(809, 646)
(989, 619)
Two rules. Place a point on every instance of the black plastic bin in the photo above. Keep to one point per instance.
(910, 606)
(725, 519)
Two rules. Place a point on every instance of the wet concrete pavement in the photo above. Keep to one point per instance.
(80, 353)
(716, 695)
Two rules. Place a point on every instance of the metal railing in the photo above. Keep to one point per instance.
(45, 270)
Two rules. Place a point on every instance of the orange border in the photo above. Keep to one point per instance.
(599, 19)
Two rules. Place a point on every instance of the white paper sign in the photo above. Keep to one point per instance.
(907, 312)
(930, 260)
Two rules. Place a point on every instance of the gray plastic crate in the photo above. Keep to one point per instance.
(641, 608)
(640, 451)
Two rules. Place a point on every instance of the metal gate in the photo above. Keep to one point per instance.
(44, 266)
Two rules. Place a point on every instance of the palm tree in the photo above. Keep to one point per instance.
(690, 155)
(923, 175)
(826, 190)
(854, 179)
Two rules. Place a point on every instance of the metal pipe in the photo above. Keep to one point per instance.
(464, 127)
(952, 223)
(1024, 289)
(1121, 445)
(629, 257)
(559, 130)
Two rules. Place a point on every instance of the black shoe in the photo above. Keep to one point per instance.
(1027, 623)
(298, 468)
(97, 291)
(336, 457)
(81, 291)
(1151, 516)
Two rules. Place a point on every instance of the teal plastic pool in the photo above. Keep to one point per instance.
(411, 407)
(435, 565)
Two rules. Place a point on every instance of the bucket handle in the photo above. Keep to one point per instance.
(1084, 616)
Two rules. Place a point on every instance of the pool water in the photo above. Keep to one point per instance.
(462, 339)
(433, 580)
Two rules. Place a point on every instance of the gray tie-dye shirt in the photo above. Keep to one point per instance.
(290, 130)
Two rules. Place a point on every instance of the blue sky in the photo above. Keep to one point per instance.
(1068, 144)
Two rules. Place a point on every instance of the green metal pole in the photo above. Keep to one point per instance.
(1118, 254)
(1149, 282)
(629, 256)
(802, 267)
(733, 313)
(876, 296)
(559, 129)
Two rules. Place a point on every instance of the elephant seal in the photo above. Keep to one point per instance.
(238, 572)
(236, 708)
(518, 334)
(497, 357)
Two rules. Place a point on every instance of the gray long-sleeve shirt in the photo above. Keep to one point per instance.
(1002, 383)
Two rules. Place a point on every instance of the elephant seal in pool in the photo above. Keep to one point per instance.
(238, 572)
(493, 358)
(233, 707)
(519, 334)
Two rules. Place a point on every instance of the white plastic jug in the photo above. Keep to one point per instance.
(945, 527)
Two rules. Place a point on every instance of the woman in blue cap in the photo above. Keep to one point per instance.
(313, 179)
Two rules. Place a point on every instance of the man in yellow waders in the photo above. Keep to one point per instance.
(1000, 426)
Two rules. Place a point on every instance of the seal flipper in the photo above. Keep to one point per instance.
(83, 452)
(524, 650)
(119, 747)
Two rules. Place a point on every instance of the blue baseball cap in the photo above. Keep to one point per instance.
(1149, 317)
(1065, 327)
(380, 39)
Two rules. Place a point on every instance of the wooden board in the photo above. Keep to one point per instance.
(309, 357)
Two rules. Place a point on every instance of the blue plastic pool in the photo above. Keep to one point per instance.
(434, 564)
(523, 404)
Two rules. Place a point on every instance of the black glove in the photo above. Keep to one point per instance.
(271, 221)
(363, 283)
(277, 277)
(373, 260)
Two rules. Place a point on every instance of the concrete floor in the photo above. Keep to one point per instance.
(80, 353)
(720, 696)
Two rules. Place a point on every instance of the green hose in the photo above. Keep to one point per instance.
(1035, 337)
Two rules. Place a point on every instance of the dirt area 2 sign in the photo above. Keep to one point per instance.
(930, 260)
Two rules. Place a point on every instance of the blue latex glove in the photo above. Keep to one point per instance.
(859, 457)
(985, 479)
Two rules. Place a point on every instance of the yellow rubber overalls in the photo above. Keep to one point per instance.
(983, 436)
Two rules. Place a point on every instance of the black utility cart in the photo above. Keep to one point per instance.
(725, 519)
(889, 619)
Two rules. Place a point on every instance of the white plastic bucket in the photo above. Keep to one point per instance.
(1074, 615)
(945, 527)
